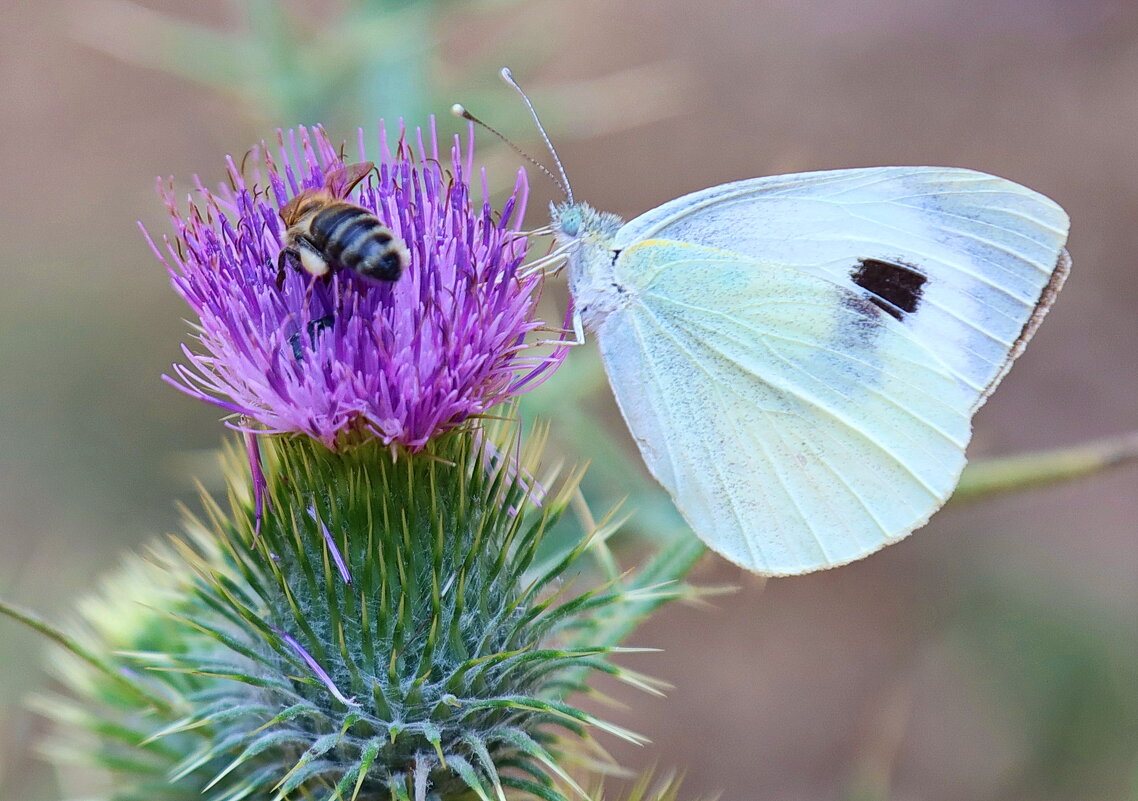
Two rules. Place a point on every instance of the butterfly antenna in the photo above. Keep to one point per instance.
(508, 76)
(459, 110)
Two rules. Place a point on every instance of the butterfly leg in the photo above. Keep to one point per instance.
(578, 328)
(578, 335)
(549, 265)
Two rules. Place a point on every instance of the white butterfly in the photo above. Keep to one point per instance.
(799, 357)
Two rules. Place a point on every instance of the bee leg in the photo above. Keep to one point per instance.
(311, 260)
(288, 258)
(314, 329)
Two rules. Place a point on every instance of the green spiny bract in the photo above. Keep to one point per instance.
(389, 630)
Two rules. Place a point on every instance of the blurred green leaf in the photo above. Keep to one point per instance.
(1069, 669)
(369, 59)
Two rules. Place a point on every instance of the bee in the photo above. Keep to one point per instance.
(323, 231)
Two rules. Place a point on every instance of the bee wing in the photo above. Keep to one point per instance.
(288, 210)
(342, 181)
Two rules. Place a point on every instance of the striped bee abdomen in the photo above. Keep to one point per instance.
(352, 237)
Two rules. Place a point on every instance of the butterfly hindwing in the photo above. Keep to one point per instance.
(967, 261)
(797, 424)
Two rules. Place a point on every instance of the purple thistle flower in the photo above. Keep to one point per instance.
(346, 357)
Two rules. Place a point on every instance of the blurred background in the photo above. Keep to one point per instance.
(994, 654)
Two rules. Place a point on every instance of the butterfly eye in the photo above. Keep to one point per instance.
(567, 220)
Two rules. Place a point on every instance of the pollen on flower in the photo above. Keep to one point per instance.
(344, 357)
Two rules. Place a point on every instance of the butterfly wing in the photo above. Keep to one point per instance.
(967, 261)
(796, 424)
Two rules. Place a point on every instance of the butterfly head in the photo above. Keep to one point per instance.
(579, 223)
(585, 237)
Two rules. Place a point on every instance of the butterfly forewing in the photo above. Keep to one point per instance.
(797, 425)
(966, 261)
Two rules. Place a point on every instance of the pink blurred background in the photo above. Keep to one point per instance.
(992, 655)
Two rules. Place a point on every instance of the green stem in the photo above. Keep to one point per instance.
(1040, 468)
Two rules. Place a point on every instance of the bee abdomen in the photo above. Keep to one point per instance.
(377, 256)
(355, 238)
(336, 227)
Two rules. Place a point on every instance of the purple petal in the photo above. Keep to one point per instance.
(331, 543)
(325, 679)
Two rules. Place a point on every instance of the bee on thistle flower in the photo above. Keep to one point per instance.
(346, 358)
(370, 610)
(322, 230)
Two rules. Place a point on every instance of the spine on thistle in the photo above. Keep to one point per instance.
(373, 611)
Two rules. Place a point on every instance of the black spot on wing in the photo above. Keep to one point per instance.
(894, 287)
